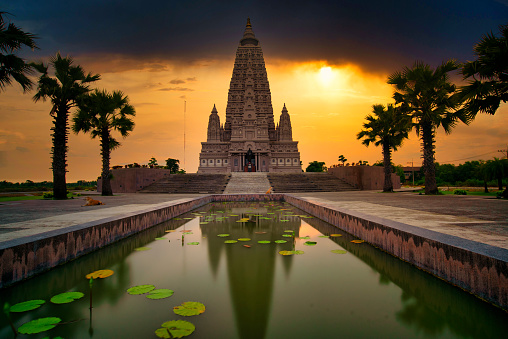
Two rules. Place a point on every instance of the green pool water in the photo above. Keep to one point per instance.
(253, 292)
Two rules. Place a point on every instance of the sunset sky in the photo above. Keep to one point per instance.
(328, 61)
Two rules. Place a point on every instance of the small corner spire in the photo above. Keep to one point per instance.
(214, 110)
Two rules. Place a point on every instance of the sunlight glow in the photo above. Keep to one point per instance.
(326, 75)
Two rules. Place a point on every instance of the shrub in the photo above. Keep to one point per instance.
(499, 194)
(460, 192)
(47, 195)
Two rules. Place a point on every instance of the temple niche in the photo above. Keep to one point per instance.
(249, 141)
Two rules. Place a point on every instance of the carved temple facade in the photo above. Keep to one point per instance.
(249, 141)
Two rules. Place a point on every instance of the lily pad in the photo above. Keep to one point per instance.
(243, 239)
(160, 238)
(287, 235)
(357, 241)
(335, 235)
(280, 241)
(39, 325)
(223, 235)
(260, 232)
(288, 231)
(99, 274)
(186, 231)
(230, 241)
(283, 220)
(188, 218)
(203, 222)
(339, 251)
(26, 305)
(248, 246)
(160, 293)
(306, 237)
(233, 215)
(189, 308)
(170, 231)
(67, 297)
(324, 236)
(243, 221)
(142, 249)
(140, 289)
(310, 243)
(177, 328)
(193, 243)
(264, 241)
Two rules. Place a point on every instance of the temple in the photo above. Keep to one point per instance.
(249, 141)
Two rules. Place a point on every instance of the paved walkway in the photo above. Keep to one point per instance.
(480, 219)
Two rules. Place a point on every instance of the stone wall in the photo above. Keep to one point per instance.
(131, 180)
(364, 177)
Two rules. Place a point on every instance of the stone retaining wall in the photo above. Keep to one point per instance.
(477, 268)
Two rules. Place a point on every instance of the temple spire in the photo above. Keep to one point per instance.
(249, 33)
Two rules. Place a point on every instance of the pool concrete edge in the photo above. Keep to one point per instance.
(477, 268)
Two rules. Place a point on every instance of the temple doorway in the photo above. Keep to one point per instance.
(250, 162)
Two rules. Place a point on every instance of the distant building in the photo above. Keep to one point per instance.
(249, 141)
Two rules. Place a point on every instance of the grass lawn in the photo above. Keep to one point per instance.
(31, 197)
(491, 193)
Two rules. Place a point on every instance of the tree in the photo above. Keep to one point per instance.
(153, 162)
(316, 166)
(342, 159)
(386, 128)
(101, 113)
(65, 90)
(488, 75)
(426, 95)
(12, 39)
(483, 172)
(498, 168)
(173, 165)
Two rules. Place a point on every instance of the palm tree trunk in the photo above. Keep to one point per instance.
(500, 182)
(485, 185)
(387, 163)
(105, 152)
(59, 150)
(428, 158)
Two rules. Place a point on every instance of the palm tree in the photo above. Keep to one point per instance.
(65, 90)
(342, 159)
(100, 113)
(488, 75)
(387, 128)
(426, 95)
(484, 172)
(12, 38)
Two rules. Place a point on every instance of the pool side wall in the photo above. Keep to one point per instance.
(475, 267)
(28, 256)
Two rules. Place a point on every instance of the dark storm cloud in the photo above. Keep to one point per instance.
(375, 34)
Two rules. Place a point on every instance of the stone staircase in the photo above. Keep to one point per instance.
(307, 182)
(189, 183)
(247, 182)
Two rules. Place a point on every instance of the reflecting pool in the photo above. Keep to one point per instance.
(249, 289)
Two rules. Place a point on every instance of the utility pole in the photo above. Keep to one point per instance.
(184, 110)
(504, 150)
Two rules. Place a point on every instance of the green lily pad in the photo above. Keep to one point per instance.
(339, 251)
(243, 221)
(299, 252)
(265, 218)
(188, 218)
(193, 243)
(310, 243)
(288, 231)
(189, 308)
(67, 297)
(177, 219)
(27, 305)
(280, 241)
(177, 328)
(233, 215)
(264, 241)
(270, 213)
(39, 325)
(142, 249)
(283, 220)
(335, 235)
(243, 239)
(203, 222)
(230, 241)
(306, 237)
(223, 235)
(160, 293)
(324, 236)
(160, 238)
(287, 235)
(140, 289)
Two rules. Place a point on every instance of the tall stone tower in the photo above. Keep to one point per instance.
(249, 141)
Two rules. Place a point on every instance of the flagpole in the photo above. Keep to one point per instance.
(184, 111)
